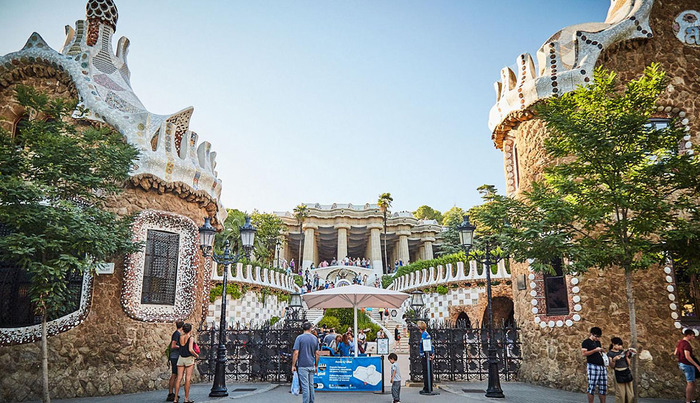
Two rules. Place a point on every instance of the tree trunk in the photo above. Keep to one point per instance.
(386, 263)
(301, 237)
(44, 361)
(633, 330)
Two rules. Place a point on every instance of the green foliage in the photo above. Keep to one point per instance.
(342, 319)
(298, 280)
(270, 228)
(273, 320)
(330, 322)
(442, 289)
(625, 197)
(450, 238)
(234, 290)
(385, 201)
(231, 232)
(425, 264)
(428, 213)
(55, 180)
(387, 280)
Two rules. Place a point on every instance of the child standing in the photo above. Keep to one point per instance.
(395, 378)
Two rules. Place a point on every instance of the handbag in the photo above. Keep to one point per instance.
(195, 347)
(624, 376)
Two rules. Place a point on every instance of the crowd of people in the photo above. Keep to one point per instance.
(618, 358)
(313, 282)
(309, 345)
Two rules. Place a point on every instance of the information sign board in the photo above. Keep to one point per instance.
(349, 374)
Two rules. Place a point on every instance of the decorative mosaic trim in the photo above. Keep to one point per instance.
(30, 334)
(687, 27)
(188, 261)
(686, 146)
(538, 301)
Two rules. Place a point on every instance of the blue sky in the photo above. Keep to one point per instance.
(327, 101)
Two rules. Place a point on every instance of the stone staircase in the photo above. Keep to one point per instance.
(389, 326)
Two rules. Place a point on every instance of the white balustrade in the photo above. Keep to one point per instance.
(446, 275)
(261, 277)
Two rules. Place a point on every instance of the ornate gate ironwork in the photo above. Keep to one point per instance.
(252, 354)
(461, 352)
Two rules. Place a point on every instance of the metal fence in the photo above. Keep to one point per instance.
(461, 353)
(263, 353)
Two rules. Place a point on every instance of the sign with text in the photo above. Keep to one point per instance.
(349, 374)
(382, 346)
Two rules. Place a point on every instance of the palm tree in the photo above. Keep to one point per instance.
(384, 203)
(300, 213)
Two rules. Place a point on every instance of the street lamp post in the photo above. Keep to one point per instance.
(206, 238)
(294, 309)
(466, 237)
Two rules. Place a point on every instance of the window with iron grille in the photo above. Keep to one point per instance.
(688, 290)
(555, 293)
(16, 307)
(160, 271)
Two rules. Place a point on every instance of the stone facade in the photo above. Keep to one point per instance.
(634, 35)
(115, 343)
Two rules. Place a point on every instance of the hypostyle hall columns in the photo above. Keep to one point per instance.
(428, 248)
(403, 246)
(309, 245)
(342, 251)
(376, 248)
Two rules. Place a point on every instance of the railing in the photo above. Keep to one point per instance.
(261, 277)
(443, 275)
(460, 353)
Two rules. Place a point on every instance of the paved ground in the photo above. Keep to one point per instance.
(449, 392)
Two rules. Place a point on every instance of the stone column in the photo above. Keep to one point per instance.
(309, 245)
(342, 250)
(376, 248)
(403, 254)
(428, 249)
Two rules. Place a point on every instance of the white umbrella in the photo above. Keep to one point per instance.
(352, 296)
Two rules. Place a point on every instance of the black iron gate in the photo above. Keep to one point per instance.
(252, 354)
(461, 353)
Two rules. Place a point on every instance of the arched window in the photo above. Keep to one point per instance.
(19, 125)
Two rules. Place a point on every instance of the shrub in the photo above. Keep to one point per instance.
(442, 289)
(387, 280)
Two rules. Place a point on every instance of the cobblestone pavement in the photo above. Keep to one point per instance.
(449, 392)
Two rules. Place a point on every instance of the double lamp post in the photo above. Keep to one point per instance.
(466, 238)
(206, 239)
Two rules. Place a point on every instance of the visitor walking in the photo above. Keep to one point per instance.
(397, 338)
(395, 378)
(425, 356)
(185, 364)
(174, 355)
(620, 361)
(305, 361)
(595, 366)
(687, 363)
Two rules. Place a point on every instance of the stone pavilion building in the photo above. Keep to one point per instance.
(555, 312)
(337, 231)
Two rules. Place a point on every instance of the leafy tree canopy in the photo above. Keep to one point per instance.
(55, 180)
(270, 229)
(427, 213)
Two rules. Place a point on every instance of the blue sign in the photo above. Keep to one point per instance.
(349, 374)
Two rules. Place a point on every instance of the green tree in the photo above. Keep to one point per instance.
(620, 195)
(384, 203)
(235, 219)
(270, 228)
(427, 213)
(301, 212)
(450, 237)
(55, 181)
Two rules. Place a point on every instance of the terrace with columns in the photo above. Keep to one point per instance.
(333, 232)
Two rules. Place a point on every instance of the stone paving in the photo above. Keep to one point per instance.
(449, 392)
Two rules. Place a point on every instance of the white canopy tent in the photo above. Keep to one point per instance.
(352, 296)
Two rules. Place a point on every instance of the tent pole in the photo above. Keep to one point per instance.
(354, 310)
